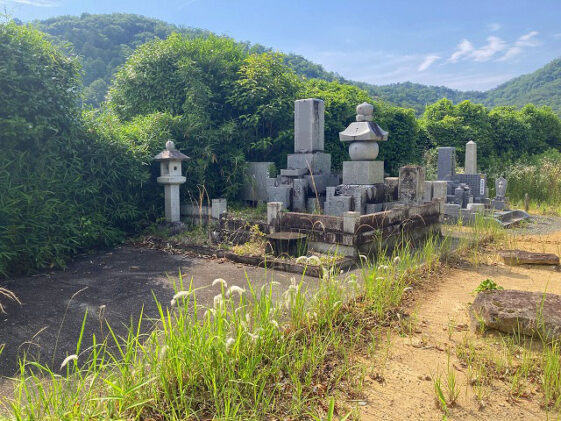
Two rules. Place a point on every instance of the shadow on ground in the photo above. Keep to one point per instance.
(125, 280)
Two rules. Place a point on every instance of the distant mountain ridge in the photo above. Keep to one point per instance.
(105, 41)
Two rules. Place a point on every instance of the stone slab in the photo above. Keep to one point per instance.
(446, 162)
(338, 205)
(363, 172)
(511, 311)
(281, 194)
(255, 186)
(318, 162)
(522, 257)
(427, 195)
(294, 172)
(309, 125)
(476, 207)
(411, 184)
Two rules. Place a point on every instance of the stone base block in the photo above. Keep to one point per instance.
(296, 172)
(337, 205)
(363, 172)
(374, 207)
(476, 207)
(321, 182)
(318, 162)
(498, 204)
(282, 194)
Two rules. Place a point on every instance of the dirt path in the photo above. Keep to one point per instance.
(401, 385)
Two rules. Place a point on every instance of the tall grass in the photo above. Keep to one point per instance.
(540, 177)
(250, 354)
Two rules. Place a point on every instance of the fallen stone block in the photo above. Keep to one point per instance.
(510, 311)
(521, 257)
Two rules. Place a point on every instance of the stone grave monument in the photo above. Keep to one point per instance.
(301, 186)
(500, 202)
(363, 189)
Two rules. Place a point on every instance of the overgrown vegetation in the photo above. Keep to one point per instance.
(250, 354)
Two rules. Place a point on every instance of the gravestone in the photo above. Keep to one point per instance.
(411, 184)
(471, 158)
(255, 187)
(309, 125)
(446, 162)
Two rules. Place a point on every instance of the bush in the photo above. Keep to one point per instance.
(64, 186)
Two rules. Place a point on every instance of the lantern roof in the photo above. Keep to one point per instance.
(170, 153)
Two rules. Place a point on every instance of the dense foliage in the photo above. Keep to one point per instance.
(502, 134)
(62, 185)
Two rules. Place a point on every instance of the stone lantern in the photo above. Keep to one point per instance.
(170, 176)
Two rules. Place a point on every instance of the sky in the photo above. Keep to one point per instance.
(466, 45)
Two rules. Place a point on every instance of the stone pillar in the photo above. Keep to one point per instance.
(273, 215)
(171, 194)
(411, 184)
(446, 162)
(219, 206)
(350, 220)
(471, 158)
(428, 192)
(309, 125)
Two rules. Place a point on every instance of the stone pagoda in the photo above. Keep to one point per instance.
(301, 186)
(363, 176)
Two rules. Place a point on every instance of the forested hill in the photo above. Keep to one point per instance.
(542, 87)
(105, 41)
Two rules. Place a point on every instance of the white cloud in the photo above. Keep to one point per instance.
(557, 35)
(494, 27)
(525, 41)
(36, 3)
(427, 62)
(494, 45)
(464, 49)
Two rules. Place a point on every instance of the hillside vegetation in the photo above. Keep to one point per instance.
(103, 42)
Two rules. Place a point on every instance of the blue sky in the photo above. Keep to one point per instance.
(469, 44)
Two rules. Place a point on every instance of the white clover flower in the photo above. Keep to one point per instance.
(218, 300)
(314, 260)
(396, 260)
(72, 357)
(302, 260)
(163, 352)
(235, 290)
(229, 342)
(179, 295)
(221, 282)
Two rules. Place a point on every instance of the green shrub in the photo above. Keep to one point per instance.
(65, 184)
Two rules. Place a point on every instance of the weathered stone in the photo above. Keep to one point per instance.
(219, 206)
(337, 205)
(281, 193)
(439, 190)
(170, 176)
(392, 190)
(317, 162)
(427, 197)
(255, 186)
(476, 207)
(294, 172)
(273, 215)
(350, 221)
(446, 162)
(500, 188)
(309, 125)
(521, 257)
(411, 184)
(498, 204)
(471, 158)
(299, 194)
(363, 172)
(374, 208)
(363, 151)
(511, 311)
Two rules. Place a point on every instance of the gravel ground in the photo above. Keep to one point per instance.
(538, 225)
